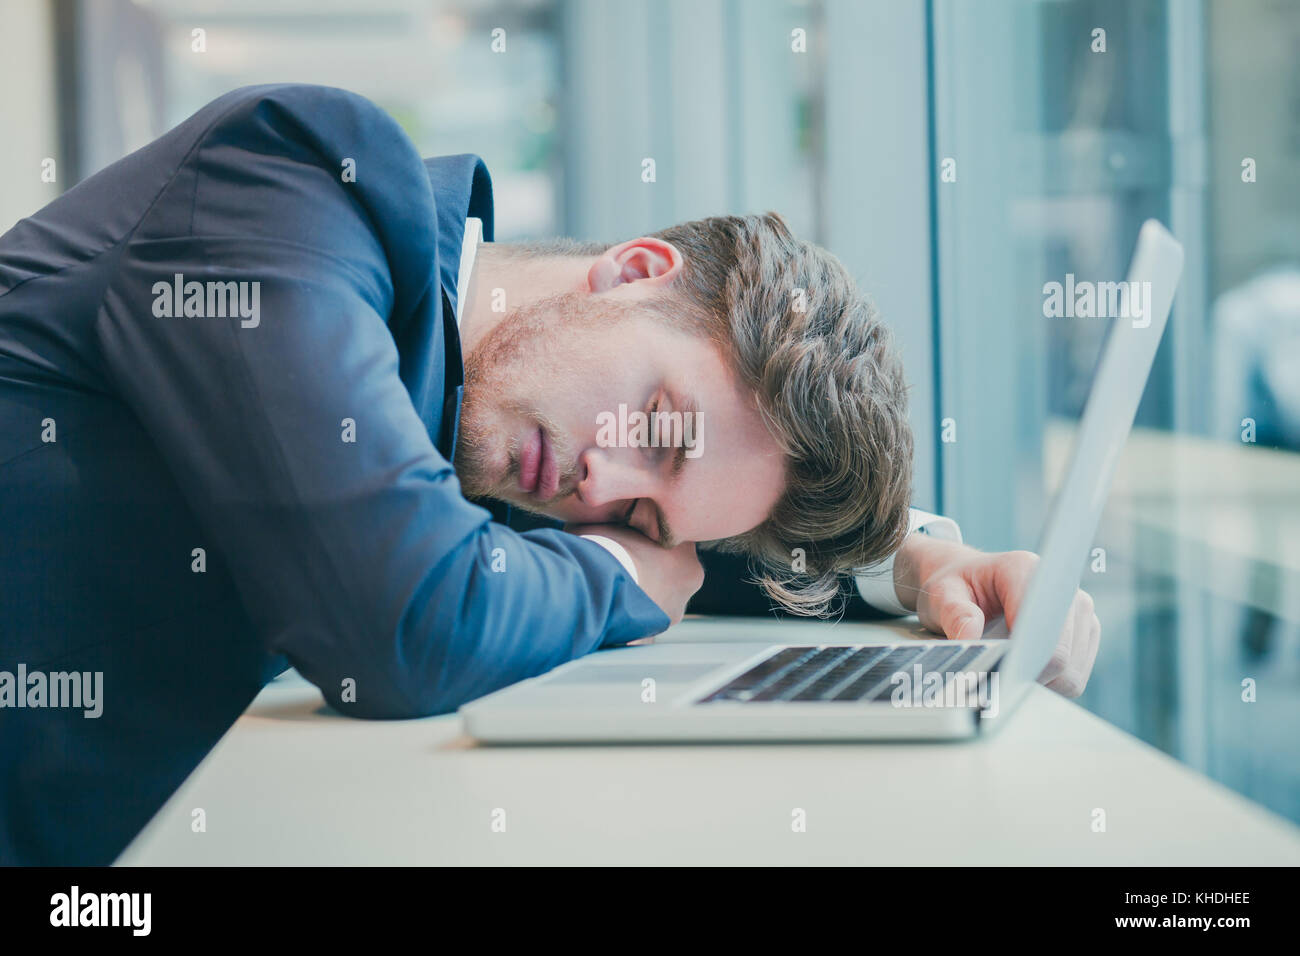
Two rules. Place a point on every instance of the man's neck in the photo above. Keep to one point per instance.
(507, 281)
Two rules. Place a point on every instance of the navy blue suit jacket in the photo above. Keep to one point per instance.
(130, 438)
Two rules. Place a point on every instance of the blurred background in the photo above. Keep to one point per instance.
(842, 116)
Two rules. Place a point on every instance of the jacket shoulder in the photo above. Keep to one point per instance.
(311, 165)
(303, 105)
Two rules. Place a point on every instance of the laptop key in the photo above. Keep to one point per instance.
(793, 679)
(844, 671)
(943, 661)
(881, 671)
(937, 657)
(743, 686)
(966, 656)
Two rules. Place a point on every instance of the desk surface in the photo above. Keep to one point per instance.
(294, 783)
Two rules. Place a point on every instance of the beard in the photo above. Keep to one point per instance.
(533, 351)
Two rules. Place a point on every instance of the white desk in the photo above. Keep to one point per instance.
(293, 783)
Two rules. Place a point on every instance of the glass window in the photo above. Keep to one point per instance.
(431, 65)
(1070, 122)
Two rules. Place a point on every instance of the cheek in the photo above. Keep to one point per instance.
(577, 390)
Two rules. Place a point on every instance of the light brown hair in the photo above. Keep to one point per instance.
(829, 384)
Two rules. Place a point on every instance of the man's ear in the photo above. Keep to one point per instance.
(650, 261)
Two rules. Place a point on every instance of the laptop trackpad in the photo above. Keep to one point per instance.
(635, 673)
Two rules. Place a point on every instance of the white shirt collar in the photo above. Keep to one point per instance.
(468, 249)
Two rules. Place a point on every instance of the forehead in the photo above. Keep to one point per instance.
(739, 475)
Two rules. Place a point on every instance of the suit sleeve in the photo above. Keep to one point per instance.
(300, 451)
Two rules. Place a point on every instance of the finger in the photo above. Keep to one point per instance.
(1012, 572)
(1063, 679)
(1087, 630)
(1075, 681)
(948, 607)
(619, 532)
(1060, 659)
(1094, 645)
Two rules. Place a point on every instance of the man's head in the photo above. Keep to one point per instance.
(796, 448)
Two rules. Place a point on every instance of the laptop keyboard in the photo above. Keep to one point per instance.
(837, 673)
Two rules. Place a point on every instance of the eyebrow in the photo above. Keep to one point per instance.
(687, 406)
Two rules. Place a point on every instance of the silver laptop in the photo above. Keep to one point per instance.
(917, 690)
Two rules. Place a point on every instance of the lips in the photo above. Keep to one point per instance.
(530, 462)
(538, 473)
(548, 481)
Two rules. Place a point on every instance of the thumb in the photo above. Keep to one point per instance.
(948, 607)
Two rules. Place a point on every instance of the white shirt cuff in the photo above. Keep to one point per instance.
(876, 583)
(617, 550)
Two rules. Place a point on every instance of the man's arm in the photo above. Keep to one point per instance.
(358, 559)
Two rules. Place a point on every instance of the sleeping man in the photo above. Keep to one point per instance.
(270, 396)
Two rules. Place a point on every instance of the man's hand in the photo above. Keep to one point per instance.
(955, 589)
(669, 575)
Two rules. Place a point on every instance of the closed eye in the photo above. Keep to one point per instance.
(657, 530)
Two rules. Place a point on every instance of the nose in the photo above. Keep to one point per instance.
(613, 475)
